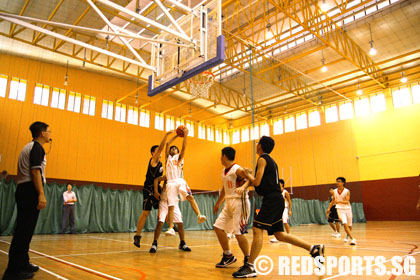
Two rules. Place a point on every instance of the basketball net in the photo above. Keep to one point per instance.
(200, 84)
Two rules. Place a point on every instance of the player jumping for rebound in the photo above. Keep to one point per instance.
(176, 183)
(154, 170)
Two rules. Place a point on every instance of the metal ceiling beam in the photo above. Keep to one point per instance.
(73, 41)
(13, 26)
(113, 28)
(145, 19)
(36, 38)
(91, 30)
(308, 15)
(179, 105)
(60, 43)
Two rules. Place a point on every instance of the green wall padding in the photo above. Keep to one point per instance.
(106, 210)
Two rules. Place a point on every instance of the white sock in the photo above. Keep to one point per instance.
(312, 246)
(227, 253)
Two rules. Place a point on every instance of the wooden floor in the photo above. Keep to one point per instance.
(113, 256)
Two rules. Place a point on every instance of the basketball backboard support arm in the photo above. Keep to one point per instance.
(175, 65)
(220, 57)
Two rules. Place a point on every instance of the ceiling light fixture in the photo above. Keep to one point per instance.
(372, 50)
(66, 76)
(403, 78)
(324, 67)
(359, 91)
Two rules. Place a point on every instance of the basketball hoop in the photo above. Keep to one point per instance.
(200, 84)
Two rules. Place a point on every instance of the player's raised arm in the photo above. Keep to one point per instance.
(156, 156)
(168, 145)
(184, 145)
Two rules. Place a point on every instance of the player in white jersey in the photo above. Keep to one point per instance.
(287, 209)
(235, 213)
(342, 203)
(162, 217)
(176, 183)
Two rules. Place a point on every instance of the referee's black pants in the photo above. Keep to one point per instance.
(27, 216)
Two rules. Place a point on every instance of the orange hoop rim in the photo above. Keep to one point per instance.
(205, 73)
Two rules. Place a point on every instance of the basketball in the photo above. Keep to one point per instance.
(180, 130)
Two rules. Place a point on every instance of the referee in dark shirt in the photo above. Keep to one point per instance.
(30, 199)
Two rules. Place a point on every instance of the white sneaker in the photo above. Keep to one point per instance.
(337, 235)
(201, 219)
(346, 239)
(230, 235)
(353, 242)
(274, 240)
(170, 232)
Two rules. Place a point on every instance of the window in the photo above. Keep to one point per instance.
(289, 124)
(145, 118)
(401, 97)
(41, 94)
(301, 121)
(74, 102)
(210, 133)
(120, 112)
(18, 89)
(3, 85)
(133, 115)
(58, 99)
(314, 118)
(415, 91)
(265, 130)
(159, 121)
(236, 136)
(226, 138)
(378, 103)
(190, 126)
(170, 123)
(219, 135)
(89, 105)
(278, 127)
(201, 131)
(179, 122)
(107, 109)
(245, 134)
(362, 106)
(331, 114)
(255, 132)
(346, 110)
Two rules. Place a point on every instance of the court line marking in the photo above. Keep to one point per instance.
(43, 269)
(92, 271)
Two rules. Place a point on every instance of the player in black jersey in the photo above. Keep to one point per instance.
(269, 218)
(332, 216)
(154, 170)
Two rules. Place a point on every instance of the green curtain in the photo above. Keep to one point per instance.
(106, 210)
(313, 212)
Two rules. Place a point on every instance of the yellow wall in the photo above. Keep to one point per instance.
(87, 148)
(94, 149)
(320, 154)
